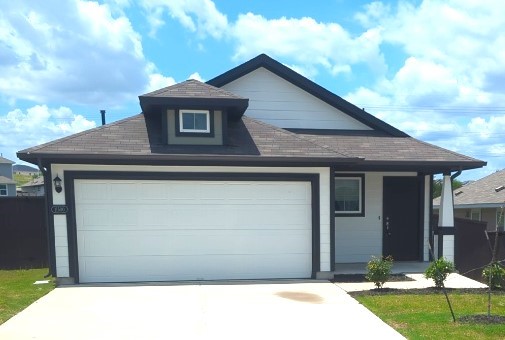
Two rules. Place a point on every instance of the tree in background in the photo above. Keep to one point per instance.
(437, 186)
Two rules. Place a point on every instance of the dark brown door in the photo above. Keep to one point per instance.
(400, 220)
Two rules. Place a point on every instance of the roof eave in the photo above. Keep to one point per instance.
(473, 205)
(237, 106)
(201, 158)
(428, 167)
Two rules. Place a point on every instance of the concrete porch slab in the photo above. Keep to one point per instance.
(453, 281)
(398, 267)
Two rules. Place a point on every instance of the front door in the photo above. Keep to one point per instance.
(401, 221)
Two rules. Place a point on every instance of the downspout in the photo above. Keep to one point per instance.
(456, 174)
(47, 187)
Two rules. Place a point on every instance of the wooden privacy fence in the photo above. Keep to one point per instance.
(23, 235)
(472, 251)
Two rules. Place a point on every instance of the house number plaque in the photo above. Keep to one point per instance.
(59, 209)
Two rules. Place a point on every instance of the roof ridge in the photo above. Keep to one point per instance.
(79, 134)
(326, 147)
(198, 82)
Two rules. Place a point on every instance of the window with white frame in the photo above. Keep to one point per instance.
(349, 195)
(3, 189)
(194, 121)
(475, 214)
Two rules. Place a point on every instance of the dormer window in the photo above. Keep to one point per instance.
(194, 121)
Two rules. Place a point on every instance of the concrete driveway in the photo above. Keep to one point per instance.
(258, 310)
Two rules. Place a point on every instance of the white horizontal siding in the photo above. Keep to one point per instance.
(280, 103)
(359, 238)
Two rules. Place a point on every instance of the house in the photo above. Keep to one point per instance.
(7, 184)
(481, 200)
(258, 173)
(22, 169)
(33, 188)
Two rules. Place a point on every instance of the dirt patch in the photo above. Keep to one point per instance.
(483, 319)
(301, 296)
(345, 278)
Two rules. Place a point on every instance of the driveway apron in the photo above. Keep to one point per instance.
(219, 310)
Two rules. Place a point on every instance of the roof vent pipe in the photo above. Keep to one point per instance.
(102, 112)
(500, 188)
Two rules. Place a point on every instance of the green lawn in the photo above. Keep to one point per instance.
(428, 316)
(17, 290)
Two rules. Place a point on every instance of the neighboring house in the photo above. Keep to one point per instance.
(258, 173)
(7, 184)
(33, 188)
(481, 200)
(22, 169)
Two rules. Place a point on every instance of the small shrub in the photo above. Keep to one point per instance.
(379, 270)
(438, 270)
(494, 274)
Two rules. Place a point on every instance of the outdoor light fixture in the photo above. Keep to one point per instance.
(57, 184)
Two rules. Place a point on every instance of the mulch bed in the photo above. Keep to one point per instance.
(482, 319)
(425, 291)
(345, 278)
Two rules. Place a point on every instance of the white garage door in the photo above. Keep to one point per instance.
(132, 230)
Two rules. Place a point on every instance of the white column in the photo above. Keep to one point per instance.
(446, 217)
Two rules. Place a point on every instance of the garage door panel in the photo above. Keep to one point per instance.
(181, 242)
(135, 230)
(161, 268)
(262, 216)
(93, 217)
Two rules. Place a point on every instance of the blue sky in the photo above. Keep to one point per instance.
(433, 69)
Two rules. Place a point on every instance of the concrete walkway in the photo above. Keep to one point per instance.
(239, 310)
(453, 281)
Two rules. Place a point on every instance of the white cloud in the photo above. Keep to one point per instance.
(307, 43)
(88, 55)
(158, 81)
(459, 58)
(449, 89)
(200, 16)
(196, 76)
(36, 125)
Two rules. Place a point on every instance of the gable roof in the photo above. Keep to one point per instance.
(194, 94)
(5, 161)
(39, 181)
(488, 191)
(5, 180)
(307, 85)
(139, 138)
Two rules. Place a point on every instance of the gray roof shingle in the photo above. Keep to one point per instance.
(192, 88)
(388, 148)
(481, 191)
(141, 136)
(5, 161)
(5, 180)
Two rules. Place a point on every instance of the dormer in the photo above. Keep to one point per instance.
(194, 113)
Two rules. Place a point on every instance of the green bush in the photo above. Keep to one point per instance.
(494, 274)
(379, 270)
(438, 270)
